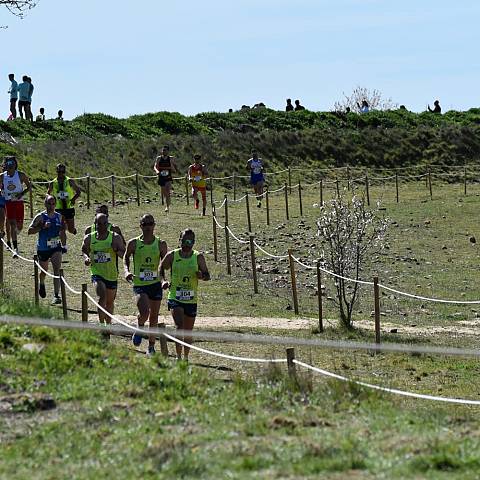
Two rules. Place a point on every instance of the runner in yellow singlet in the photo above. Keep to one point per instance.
(197, 175)
(187, 267)
(147, 251)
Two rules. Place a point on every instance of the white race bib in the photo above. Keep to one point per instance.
(182, 295)
(257, 170)
(197, 178)
(102, 257)
(164, 173)
(63, 195)
(147, 275)
(53, 242)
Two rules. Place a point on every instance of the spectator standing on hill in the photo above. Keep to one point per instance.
(289, 107)
(60, 115)
(41, 116)
(436, 107)
(257, 179)
(49, 225)
(147, 251)
(30, 94)
(13, 96)
(187, 267)
(364, 107)
(110, 226)
(164, 166)
(13, 181)
(298, 107)
(197, 175)
(66, 192)
(23, 98)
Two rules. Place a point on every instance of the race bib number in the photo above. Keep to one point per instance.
(183, 295)
(53, 242)
(257, 170)
(63, 195)
(101, 257)
(197, 178)
(164, 173)
(147, 275)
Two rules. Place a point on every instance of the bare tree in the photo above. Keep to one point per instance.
(350, 232)
(18, 7)
(373, 97)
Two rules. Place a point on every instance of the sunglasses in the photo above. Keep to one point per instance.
(52, 202)
(61, 171)
(188, 242)
(147, 224)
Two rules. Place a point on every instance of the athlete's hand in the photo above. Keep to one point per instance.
(87, 262)
(129, 277)
(199, 274)
(165, 285)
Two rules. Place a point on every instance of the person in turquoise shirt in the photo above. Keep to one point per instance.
(13, 96)
(24, 98)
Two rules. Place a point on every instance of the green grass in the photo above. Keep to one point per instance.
(119, 414)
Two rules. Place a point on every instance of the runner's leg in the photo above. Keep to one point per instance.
(188, 323)
(178, 316)
(110, 300)
(56, 260)
(154, 308)
(101, 292)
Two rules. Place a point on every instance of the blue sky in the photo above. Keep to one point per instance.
(125, 57)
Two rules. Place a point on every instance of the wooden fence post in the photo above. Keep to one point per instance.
(294, 281)
(300, 198)
(396, 183)
(227, 237)
(1, 263)
(211, 191)
(84, 303)
(430, 182)
(234, 181)
(31, 201)
(321, 192)
(337, 187)
(376, 294)
(267, 204)
(290, 180)
(254, 265)
(465, 180)
(64, 295)
(187, 196)
(35, 279)
(286, 202)
(113, 191)
(320, 301)
(367, 189)
(137, 186)
(247, 205)
(348, 178)
(88, 191)
(290, 363)
(215, 245)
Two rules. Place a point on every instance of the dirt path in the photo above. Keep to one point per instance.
(471, 327)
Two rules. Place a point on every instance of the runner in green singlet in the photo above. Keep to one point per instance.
(147, 251)
(100, 250)
(111, 226)
(187, 267)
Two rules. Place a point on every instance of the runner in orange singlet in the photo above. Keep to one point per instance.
(197, 174)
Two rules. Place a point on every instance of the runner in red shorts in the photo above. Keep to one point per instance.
(13, 181)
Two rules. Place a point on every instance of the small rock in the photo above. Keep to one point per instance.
(394, 330)
(33, 347)
(473, 239)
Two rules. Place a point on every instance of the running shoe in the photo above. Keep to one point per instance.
(56, 300)
(15, 253)
(136, 339)
(64, 249)
(259, 204)
(151, 350)
(166, 209)
(41, 290)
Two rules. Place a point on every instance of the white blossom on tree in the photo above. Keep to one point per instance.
(350, 233)
(354, 101)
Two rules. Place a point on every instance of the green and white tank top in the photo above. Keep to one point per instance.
(184, 281)
(145, 262)
(103, 258)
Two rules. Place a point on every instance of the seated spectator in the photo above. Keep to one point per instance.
(436, 109)
(41, 116)
(364, 108)
(289, 107)
(298, 106)
(245, 107)
(59, 115)
(259, 105)
(402, 107)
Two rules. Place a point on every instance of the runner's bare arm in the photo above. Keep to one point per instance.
(50, 188)
(203, 273)
(162, 246)
(88, 230)
(118, 245)
(126, 259)
(205, 171)
(36, 225)
(86, 249)
(166, 264)
(77, 190)
(249, 162)
(26, 181)
(155, 167)
(173, 165)
(116, 229)
(189, 173)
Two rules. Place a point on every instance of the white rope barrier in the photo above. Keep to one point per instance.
(239, 240)
(268, 253)
(221, 205)
(76, 292)
(219, 224)
(238, 199)
(223, 355)
(386, 389)
(17, 255)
